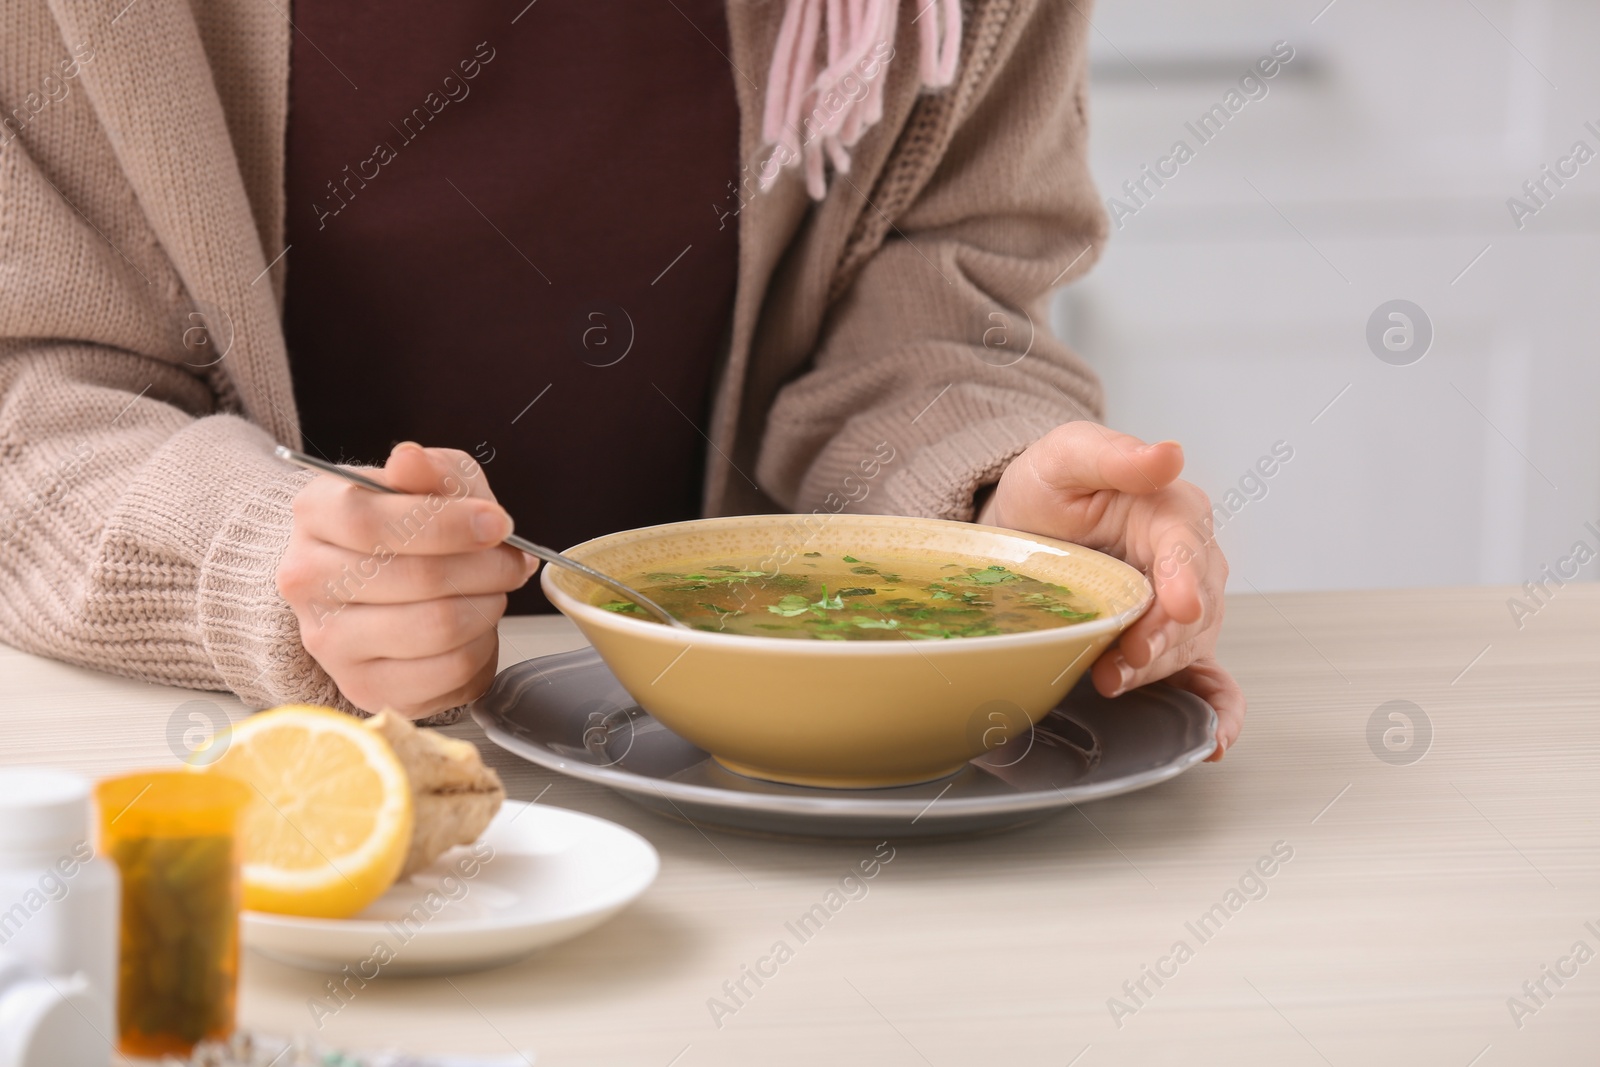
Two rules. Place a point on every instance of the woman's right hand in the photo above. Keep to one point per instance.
(397, 596)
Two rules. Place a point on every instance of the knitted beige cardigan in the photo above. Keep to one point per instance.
(141, 235)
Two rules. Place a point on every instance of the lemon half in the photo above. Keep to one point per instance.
(330, 823)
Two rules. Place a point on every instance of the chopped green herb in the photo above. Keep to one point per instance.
(789, 606)
(928, 601)
(993, 575)
(829, 605)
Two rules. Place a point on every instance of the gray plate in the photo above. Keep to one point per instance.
(569, 713)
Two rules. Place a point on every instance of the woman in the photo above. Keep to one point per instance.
(626, 262)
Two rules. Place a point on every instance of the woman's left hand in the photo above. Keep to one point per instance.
(1108, 491)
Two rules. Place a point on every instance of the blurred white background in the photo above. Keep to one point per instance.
(1232, 308)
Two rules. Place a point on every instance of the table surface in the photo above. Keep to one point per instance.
(1420, 897)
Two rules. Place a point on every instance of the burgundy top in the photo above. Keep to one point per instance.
(509, 240)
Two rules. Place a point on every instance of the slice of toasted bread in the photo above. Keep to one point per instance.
(455, 794)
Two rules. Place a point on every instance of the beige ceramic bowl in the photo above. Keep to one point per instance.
(845, 714)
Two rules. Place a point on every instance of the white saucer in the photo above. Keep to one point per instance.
(537, 876)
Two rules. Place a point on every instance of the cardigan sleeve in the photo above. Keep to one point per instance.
(139, 539)
(140, 522)
(939, 354)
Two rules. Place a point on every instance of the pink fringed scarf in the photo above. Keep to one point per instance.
(813, 114)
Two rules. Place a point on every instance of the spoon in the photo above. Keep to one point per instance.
(549, 555)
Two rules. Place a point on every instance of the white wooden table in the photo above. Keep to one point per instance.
(1419, 898)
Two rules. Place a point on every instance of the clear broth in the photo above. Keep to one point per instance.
(846, 598)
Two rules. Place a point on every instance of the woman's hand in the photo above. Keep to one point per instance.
(397, 596)
(1106, 490)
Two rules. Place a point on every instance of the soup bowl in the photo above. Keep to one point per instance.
(845, 714)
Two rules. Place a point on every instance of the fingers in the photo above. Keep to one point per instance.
(1208, 680)
(1087, 457)
(397, 595)
(427, 522)
(1200, 675)
(1190, 576)
(1133, 662)
(1157, 646)
(1180, 627)
(1083, 482)
(417, 688)
(338, 576)
(447, 471)
(1184, 562)
(405, 631)
(1189, 602)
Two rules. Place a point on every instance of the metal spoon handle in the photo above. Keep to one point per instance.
(549, 555)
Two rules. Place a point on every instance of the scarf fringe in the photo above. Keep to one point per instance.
(813, 117)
